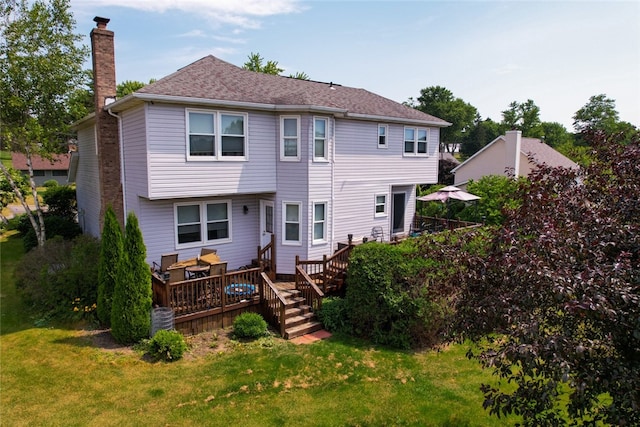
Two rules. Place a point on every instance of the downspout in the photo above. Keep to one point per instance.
(121, 146)
(333, 195)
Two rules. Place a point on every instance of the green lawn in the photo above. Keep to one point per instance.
(54, 376)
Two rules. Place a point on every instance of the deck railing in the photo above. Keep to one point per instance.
(273, 303)
(208, 293)
(267, 258)
(428, 224)
(308, 289)
(328, 273)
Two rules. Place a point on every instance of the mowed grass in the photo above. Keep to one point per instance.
(55, 376)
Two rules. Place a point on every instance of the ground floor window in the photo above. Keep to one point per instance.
(291, 219)
(204, 222)
(319, 222)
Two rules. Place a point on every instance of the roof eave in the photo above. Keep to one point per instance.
(136, 98)
(405, 120)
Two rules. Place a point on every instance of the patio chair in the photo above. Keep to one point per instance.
(218, 269)
(166, 260)
(377, 233)
(205, 251)
(176, 274)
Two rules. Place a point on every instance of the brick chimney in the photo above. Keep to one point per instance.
(107, 134)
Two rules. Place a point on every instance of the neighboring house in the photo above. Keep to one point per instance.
(509, 155)
(217, 156)
(43, 169)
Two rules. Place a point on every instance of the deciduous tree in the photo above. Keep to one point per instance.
(560, 286)
(440, 102)
(40, 63)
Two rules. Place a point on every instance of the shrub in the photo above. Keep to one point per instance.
(167, 345)
(249, 325)
(131, 304)
(378, 296)
(50, 183)
(111, 252)
(334, 315)
(59, 279)
(54, 225)
(61, 201)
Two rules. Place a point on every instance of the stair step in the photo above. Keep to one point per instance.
(293, 302)
(296, 311)
(303, 329)
(300, 319)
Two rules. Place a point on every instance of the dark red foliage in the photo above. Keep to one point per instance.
(560, 286)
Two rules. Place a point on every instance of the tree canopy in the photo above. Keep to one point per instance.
(559, 293)
(40, 64)
(256, 63)
(440, 102)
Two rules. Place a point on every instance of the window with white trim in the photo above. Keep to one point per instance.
(381, 205)
(232, 141)
(320, 139)
(416, 141)
(204, 143)
(202, 137)
(291, 223)
(383, 131)
(201, 223)
(320, 222)
(290, 138)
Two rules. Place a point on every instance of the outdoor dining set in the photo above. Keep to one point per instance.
(207, 263)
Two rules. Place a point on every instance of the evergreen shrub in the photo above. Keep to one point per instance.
(334, 315)
(131, 303)
(167, 345)
(249, 325)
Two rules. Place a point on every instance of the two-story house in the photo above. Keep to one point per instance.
(217, 156)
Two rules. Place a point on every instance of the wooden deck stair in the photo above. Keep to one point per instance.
(299, 319)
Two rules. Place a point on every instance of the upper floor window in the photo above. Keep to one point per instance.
(202, 134)
(319, 222)
(201, 223)
(289, 138)
(204, 143)
(416, 141)
(383, 130)
(320, 140)
(381, 205)
(291, 222)
(232, 135)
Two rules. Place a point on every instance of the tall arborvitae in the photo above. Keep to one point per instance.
(131, 311)
(111, 252)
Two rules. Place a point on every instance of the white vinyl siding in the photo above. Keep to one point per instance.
(290, 138)
(291, 223)
(202, 223)
(165, 172)
(204, 143)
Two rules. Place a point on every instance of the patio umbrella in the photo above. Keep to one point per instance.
(446, 193)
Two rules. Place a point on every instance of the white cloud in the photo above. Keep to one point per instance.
(243, 13)
(507, 69)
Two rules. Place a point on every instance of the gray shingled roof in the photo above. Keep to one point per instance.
(543, 153)
(213, 79)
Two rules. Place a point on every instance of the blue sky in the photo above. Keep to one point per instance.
(489, 53)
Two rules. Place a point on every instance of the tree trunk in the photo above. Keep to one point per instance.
(37, 219)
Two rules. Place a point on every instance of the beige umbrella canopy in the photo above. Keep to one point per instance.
(449, 192)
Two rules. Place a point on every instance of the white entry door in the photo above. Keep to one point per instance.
(266, 222)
